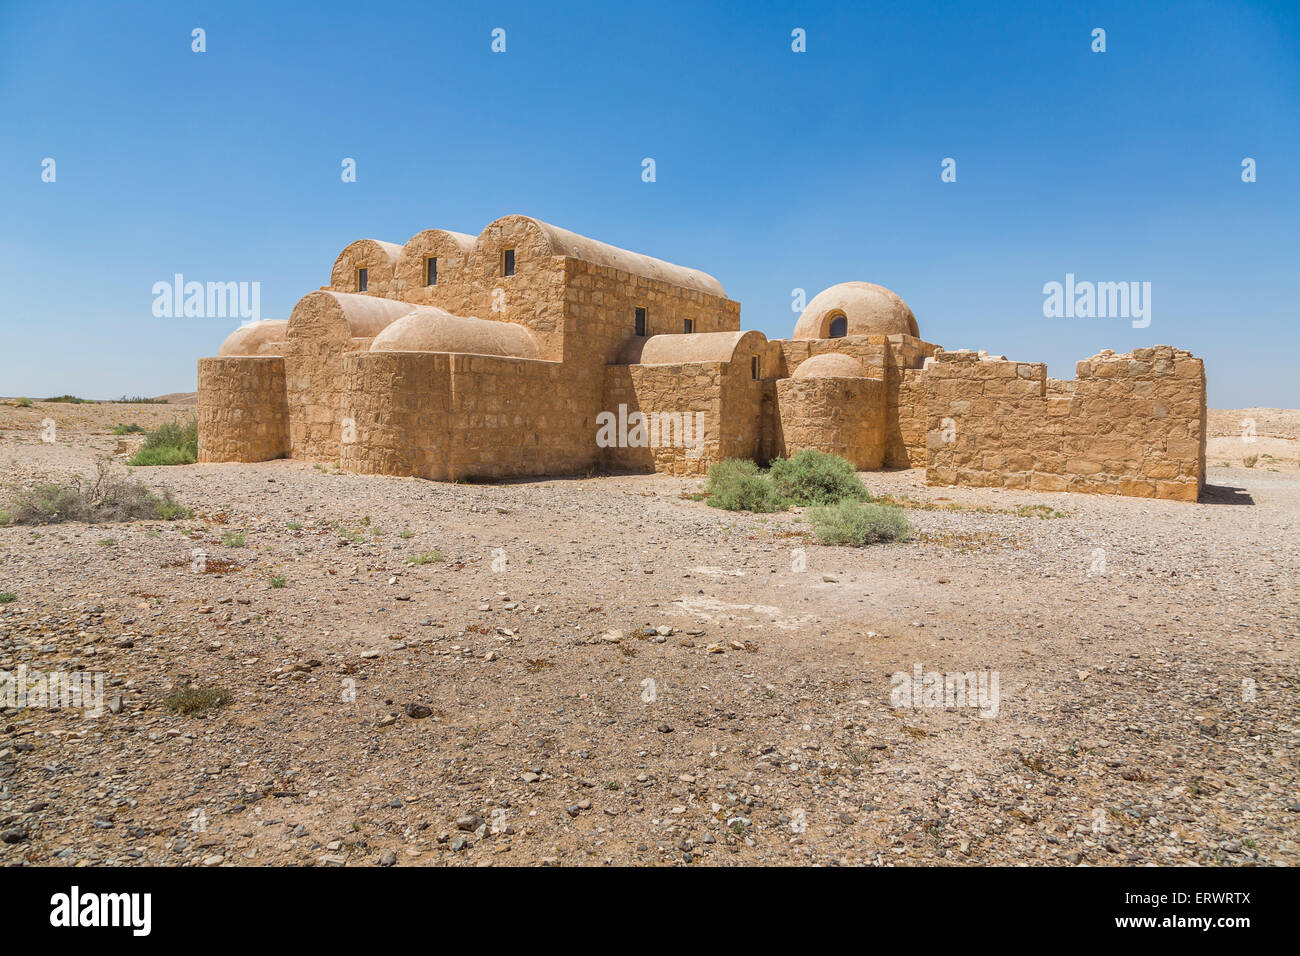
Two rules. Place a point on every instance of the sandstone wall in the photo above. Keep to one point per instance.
(601, 304)
(1132, 425)
(379, 259)
(725, 394)
(871, 352)
(396, 413)
(518, 417)
(905, 420)
(454, 416)
(242, 409)
(842, 416)
(894, 359)
(741, 430)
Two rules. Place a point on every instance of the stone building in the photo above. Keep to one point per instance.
(530, 350)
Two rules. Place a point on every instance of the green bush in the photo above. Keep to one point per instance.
(70, 400)
(132, 429)
(737, 485)
(7, 596)
(23, 402)
(171, 443)
(857, 524)
(815, 478)
(167, 455)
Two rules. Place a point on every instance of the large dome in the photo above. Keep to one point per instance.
(864, 307)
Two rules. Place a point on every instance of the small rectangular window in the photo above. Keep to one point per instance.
(640, 321)
(688, 326)
(508, 262)
(431, 271)
(753, 367)
(362, 279)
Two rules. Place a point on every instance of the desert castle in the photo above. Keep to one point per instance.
(530, 350)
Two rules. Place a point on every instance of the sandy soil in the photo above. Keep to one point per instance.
(615, 673)
(1270, 434)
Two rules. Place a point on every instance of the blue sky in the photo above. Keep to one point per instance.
(775, 170)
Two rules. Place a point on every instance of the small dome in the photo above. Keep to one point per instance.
(253, 338)
(855, 308)
(429, 329)
(829, 365)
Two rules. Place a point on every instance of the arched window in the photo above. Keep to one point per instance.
(839, 327)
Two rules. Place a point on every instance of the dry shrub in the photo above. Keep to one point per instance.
(107, 497)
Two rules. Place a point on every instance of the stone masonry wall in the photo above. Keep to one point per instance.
(242, 410)
(453, 416)
(894, 359)
(396, 410)
(843, 416)
(1133, 424)
(670, 392)
(601, 304)
(742, 407)
(905, 421)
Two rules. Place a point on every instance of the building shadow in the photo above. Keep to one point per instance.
(1225, 495)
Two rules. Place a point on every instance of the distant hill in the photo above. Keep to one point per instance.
(179, 398)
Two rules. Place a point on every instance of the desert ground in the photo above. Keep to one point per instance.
(606, 670)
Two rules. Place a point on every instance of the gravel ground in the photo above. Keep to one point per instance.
(603, 670)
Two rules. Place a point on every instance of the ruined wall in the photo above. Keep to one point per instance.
(1132, 425)
(842, 416)
(242, 409)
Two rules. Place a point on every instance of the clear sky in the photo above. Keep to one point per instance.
(775, 170)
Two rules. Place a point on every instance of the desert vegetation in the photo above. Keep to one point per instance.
(171, 443)
(841, 510)
(105, 497)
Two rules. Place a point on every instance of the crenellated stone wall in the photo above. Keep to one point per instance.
(1132, 425)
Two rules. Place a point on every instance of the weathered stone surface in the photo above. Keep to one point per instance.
(1130, 424)
(532, 401)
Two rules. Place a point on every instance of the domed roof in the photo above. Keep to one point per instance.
(829, 365)
(868, 309)
(429, 329)
(251, 339)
